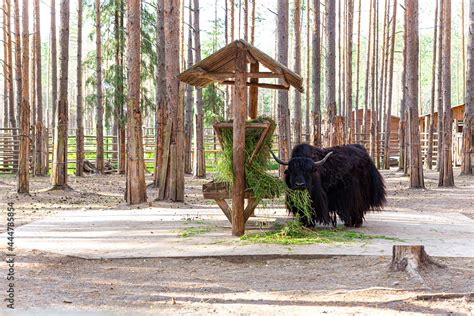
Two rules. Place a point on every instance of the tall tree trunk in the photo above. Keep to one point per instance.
(172, 188)
(5, 76)
(39, 164)
(365, 128)
(79, 118)
(446, 177)
(283, 111)
(59, 172)
(330, 69)
(356, 114)
(200, 163)
(161, 108)
(316, 74)
(348, 77)
(429, 154)
(339, 57)
(252, 23)
(11, 91)
(403, 108)
(120, 62)
(246, 20)
(188, 123)
(468, 130)
(388, 114)
(373, 114)
(100, 107)
(135, 188)
(297, 68)
(439, 91)
(18, 70)
(54, 63)
(416, 166)
(24, 164)
(307, 129)
(467, 148)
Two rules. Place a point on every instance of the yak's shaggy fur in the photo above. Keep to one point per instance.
(347, 184)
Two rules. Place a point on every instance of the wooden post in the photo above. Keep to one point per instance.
(239, 114)
(253, 98)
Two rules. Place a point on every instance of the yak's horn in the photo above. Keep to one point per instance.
(281, 162)
(322, 161)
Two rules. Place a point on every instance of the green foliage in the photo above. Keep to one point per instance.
(294, 233)
(257, 177)
(213, 104)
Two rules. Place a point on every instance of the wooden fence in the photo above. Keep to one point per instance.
(9, 142)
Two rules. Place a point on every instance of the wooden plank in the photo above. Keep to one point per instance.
(166, 153)
(260, 85)
(259, 145)
(240, 114)
(250, 208)
(225, 208)
(173, 173)
(180, 146)
(253, 97)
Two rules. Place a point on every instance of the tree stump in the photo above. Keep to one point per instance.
(411, 258)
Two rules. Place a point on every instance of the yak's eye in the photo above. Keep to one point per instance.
(286, 171)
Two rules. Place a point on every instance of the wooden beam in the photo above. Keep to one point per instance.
(253, 98)
(220, 76)
(260, 85)
(238, 147)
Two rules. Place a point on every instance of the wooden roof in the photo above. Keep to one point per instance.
(220, 66)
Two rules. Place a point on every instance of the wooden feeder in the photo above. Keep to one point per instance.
(229, 66)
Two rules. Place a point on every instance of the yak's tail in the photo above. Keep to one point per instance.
(378, 189)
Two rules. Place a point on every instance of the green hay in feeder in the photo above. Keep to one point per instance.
(257, 177)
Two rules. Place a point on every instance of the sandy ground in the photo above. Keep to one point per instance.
(338, 284)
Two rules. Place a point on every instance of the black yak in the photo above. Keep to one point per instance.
(341, 180)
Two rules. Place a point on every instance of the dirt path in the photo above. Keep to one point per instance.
(248, 286)
(343, 285)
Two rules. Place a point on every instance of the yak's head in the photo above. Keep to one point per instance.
(300, 171)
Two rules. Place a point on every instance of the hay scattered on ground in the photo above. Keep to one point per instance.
(294, 233)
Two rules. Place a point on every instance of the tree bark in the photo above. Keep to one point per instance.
(200, 163)
(283, 110)
(9, 78)
(79, 117)
(238, 149)
(365, 128)
(439, 159)
(39, 164)
(24, 164)
(429, 154)
(388, 115)
(356, 114)
(467, 146)
(161, 107)
(373, 85)
(446, 177)
(316, 74)
(307, 116)
(59, 171)
(297, 69)
(416, 166)
(173, 188)
(54, 64)
(100, 108)
(18, 69)
(348, 70)
(188, 123)
(135, 187)
(330, 69)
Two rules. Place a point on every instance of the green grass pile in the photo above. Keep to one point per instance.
(294, 233)
(257, 176)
